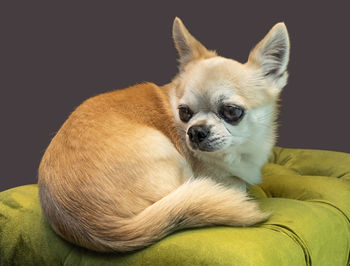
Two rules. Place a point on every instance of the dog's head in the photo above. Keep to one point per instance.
(220, 103)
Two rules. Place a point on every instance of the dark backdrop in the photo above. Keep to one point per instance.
(55, 55)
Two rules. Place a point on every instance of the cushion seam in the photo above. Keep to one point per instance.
(294, 237)
(330, 204)
(64, 261)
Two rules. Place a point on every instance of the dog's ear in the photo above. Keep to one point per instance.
(187, 46)
(271, 54)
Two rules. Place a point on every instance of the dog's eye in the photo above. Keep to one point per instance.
(231, 114)
(185, 113)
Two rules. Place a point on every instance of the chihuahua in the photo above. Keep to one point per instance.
(131, 166)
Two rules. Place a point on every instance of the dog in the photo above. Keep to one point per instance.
(131, 166)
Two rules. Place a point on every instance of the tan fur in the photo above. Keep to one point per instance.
(118, 175)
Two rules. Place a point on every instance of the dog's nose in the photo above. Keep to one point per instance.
(197, 133)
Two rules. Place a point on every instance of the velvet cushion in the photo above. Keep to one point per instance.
(308, 192)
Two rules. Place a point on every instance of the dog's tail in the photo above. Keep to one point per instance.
(199, 202)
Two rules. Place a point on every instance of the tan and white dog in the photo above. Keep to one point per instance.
(131, 166)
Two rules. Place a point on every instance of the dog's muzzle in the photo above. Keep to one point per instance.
(198, 136)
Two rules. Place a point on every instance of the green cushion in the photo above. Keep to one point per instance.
(308, 192)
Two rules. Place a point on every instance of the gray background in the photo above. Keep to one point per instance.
(55, 55)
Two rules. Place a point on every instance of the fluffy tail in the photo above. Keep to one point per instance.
(196, 203)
